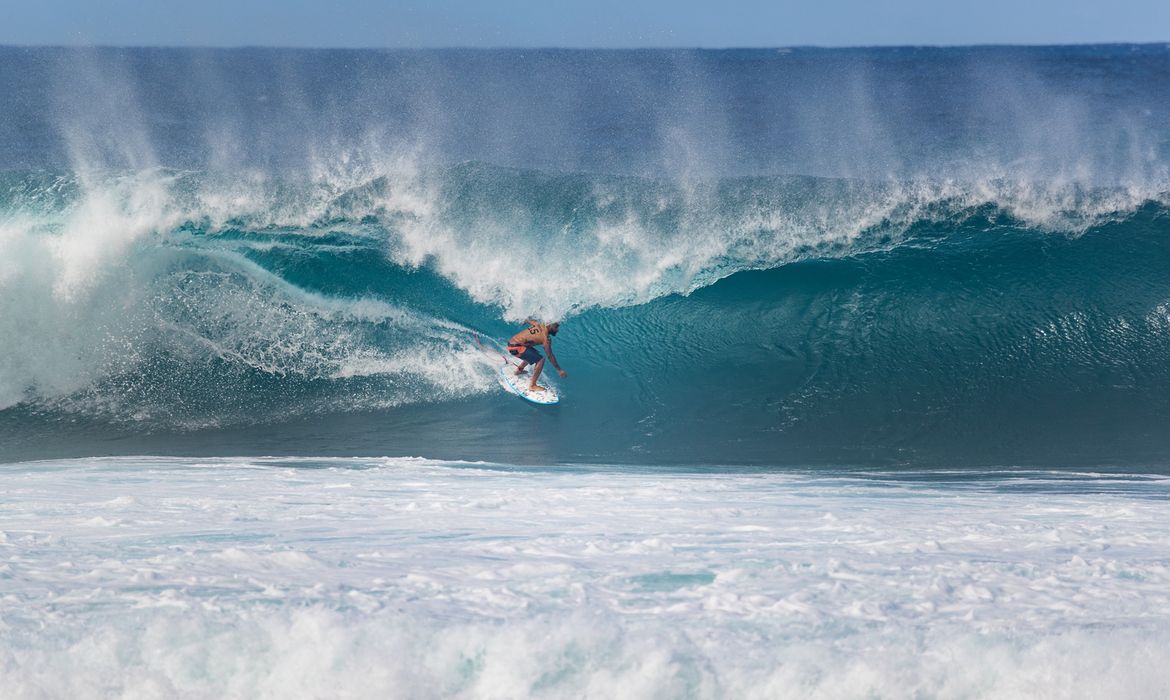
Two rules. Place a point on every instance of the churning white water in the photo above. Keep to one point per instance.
(255, 578)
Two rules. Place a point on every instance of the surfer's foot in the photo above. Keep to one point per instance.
(521, 371)
(535, 387)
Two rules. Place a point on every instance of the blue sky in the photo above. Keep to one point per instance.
(594, 23)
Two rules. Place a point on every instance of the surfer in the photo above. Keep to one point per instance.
(523, 346)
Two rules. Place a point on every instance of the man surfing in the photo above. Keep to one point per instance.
(523, 346)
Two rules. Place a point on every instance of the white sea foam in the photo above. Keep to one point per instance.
(67, 294)
(628, 256)
(104, 283)
(153, 577)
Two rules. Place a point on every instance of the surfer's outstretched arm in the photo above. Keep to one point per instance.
(553, 358)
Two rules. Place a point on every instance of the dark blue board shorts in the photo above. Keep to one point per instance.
(530, 354)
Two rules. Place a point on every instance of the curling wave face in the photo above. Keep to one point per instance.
(890, 320)
(748, 284)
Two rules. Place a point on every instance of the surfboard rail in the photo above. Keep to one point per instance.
(518, 385)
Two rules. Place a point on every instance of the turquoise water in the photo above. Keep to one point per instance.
(866, 351)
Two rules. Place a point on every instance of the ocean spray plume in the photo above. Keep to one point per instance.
(98, 113)
(1046, 129)
(973, 114)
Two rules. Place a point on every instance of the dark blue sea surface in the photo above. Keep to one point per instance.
(900, 257)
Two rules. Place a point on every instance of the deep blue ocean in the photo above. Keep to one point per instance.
(868, 358)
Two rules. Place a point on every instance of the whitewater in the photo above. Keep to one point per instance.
(867, 349)
(148, 577)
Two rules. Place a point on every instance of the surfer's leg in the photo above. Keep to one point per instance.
(529, 357)
(536, 368)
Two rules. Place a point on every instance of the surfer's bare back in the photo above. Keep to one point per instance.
(523, 346)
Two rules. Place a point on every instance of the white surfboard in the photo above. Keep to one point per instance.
(518, 385)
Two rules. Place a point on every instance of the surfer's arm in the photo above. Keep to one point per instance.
(553, 358)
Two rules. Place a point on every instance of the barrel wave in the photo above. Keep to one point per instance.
(880, 266)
